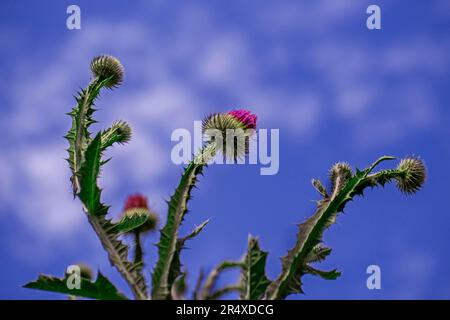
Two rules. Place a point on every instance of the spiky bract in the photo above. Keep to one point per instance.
(108, 68)
(231, 132)
(412, 175)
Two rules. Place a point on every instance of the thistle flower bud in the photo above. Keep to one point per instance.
(340, 173)
(221, 122)
(120, 132)
(412, 175)
(237, 125)
(107, 68)
(235, 119)
(137, 204)
(123, 131)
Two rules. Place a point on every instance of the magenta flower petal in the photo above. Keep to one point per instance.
(245, 117)
(136, 201)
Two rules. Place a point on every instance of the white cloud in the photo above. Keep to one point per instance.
(6, 179)
(40, 193)
(227, 61)
(302, 115)
(364, 93)
(139, 162)
(163, 105)
(355, 102)
(416, 55)
(312, 17)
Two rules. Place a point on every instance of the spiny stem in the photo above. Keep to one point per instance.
(89, 96)
(116, 259)
(138, 247)
(220, 292)
(214, 275)
(167, 246)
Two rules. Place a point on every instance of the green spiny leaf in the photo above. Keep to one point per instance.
(317, 184)
(168, 242)
(89, 191)
(179, 287)
(222, 291)
(318, 254)
(118, 255)
(198, 285)
(85, 162)
(107, 232)
(175, 268)
(101, 289)
(327, 275)
(210, 283)
(78, 135)
(130, 222)
(194, 232)
(309, 237)
(254, 281)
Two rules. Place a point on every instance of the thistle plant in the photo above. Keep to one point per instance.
(168, 276)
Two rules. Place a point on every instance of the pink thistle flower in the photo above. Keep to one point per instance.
(136, 204)
(136, 201)
(245, 117)
(243, 125)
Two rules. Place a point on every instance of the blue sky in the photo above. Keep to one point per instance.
(336, 90)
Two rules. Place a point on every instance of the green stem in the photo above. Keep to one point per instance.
(138, 248)
(214, 275)
(220, 292)
(167, 246)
